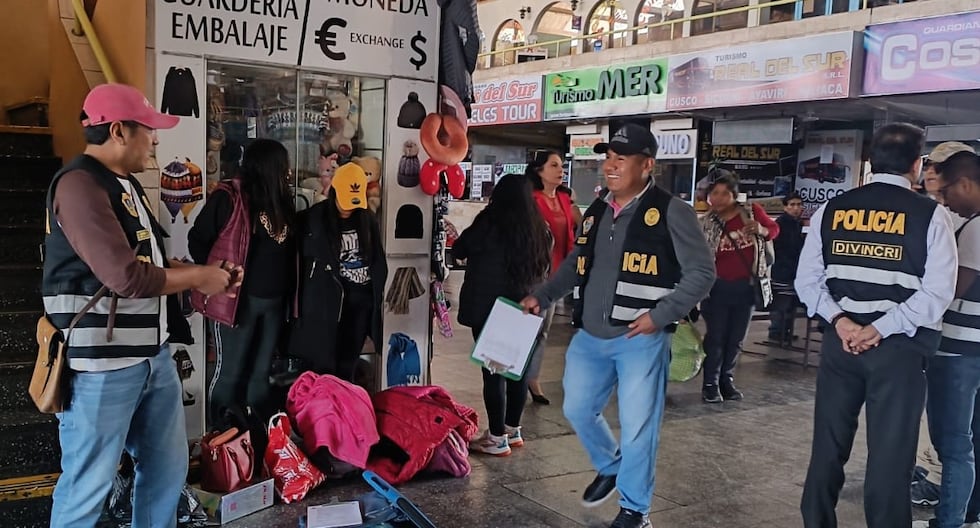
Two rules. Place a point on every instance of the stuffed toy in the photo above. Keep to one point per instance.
(340, 125)
(408, 166)
(372, 169)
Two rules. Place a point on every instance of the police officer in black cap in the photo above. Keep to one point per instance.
(877, 267)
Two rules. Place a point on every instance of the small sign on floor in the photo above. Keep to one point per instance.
(335, 515)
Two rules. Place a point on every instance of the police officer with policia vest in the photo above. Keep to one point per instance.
(640, 264)
(876, 266)
(125, 390)
(954, 374)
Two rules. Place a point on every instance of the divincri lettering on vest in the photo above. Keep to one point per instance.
(888, 222)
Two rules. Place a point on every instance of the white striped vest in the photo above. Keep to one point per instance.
(68, 283)
(961, 323)
(875, 248)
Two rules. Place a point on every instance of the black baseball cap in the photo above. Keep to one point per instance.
(630, 139)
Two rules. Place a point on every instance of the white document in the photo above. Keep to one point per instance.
(507, 340)
(334, 515)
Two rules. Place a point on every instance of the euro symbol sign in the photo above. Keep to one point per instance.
(327, 38)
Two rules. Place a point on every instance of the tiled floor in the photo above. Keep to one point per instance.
(734, 465)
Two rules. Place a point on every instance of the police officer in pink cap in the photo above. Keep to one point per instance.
(125, 394)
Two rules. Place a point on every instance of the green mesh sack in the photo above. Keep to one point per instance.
(686, 353)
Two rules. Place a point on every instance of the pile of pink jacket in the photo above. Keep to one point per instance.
(400, 432)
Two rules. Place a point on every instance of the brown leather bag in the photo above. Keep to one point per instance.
(49, 382)
(227, 460)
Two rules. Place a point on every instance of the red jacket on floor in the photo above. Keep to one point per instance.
(416, 420)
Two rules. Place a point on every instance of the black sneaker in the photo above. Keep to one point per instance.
(729, 392)
(925, 494)
(630, 519)
(602, 488)
(919, 473)
(710, 394)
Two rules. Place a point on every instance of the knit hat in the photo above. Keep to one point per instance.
(408, 171)
(408, 222)
(350, 182)
(412, 112)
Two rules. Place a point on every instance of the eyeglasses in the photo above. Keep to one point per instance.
(942, 190)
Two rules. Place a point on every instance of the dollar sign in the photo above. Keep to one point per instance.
(419, 61)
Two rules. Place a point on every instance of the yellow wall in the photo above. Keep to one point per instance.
(121, 27)
(68, 89)
(25, 52)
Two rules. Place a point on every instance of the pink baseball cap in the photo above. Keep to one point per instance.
(119, 102)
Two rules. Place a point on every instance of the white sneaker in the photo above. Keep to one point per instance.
(514, 437)
(491, 445)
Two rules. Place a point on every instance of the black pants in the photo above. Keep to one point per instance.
(353, 330)
(244, 358)
(782, 312)
(890, 382)
(727, 312)
(503, 397)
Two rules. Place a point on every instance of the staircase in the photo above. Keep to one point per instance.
(29, 451)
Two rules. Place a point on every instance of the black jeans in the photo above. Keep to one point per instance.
(890, 382)
(503, 397)
(727, 312)
(244, 359)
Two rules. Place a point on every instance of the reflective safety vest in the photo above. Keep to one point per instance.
(648, 270)
(68, 283)
(875, 242)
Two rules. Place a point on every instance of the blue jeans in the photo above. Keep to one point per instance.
(138, 409)
(953, 413)
(639, 366)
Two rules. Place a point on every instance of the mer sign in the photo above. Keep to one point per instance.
(601, 92)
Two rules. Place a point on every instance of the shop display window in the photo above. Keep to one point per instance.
(339, 117)
(676, 177)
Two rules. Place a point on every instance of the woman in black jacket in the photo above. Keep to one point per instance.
(341, 278)
(507, 252)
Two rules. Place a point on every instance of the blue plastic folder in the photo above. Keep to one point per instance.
(508, 339)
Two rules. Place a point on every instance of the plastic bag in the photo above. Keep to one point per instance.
(686, 353)
(292, 471)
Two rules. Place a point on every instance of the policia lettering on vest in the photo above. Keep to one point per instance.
(639, 265)
(875, 268)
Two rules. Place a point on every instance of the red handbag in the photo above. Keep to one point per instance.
(227, 460)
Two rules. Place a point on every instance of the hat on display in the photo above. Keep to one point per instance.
(412, 112)
(630, 139)
(408, 222)
(350, 183)
(946, 150)
(107, 103)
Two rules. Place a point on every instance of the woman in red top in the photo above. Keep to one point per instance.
(736, 235)
(554, 200)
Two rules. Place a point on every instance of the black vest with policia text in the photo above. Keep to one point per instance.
(961, 323)
(69, 283)
(874, 248)
(648, 266)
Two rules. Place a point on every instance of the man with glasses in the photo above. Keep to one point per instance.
(954, 374)
(928, 474)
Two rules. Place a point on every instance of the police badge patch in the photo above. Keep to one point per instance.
(129, 204)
